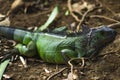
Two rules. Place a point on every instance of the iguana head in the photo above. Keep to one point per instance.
(99, 37)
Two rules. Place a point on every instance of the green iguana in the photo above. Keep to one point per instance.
(55, 48)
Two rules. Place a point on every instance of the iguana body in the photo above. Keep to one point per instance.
(55, 49)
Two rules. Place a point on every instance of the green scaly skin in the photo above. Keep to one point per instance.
(57, 49)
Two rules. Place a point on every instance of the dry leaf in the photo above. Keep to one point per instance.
(46, 70)
(24, 62)
(15, 5)
(71, 76)
(5, 22)
(79, 6)
(6, 76)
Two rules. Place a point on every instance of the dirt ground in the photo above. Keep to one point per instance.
(104, 67)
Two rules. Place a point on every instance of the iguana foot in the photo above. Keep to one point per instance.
(68, 54)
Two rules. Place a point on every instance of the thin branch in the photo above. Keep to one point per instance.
(104, 5)
(83, 18)
(104, 17)
(71, 11)
(114, 25)
(69, 62)
(53, 75)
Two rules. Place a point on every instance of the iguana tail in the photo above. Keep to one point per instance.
(14, 34)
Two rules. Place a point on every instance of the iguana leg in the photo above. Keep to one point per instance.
(29, 50)
(68, 54)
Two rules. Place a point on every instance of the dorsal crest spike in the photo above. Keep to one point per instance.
(85, 29)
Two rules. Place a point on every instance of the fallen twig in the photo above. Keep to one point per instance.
(53, 75)
(104, 17)
(108, 53)
(116, 52)
(24, 62)
(69, 62)
(89, 9)
(83, 18)
(14, 6)
(114, 25)
(104, 5)
(71, 11)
